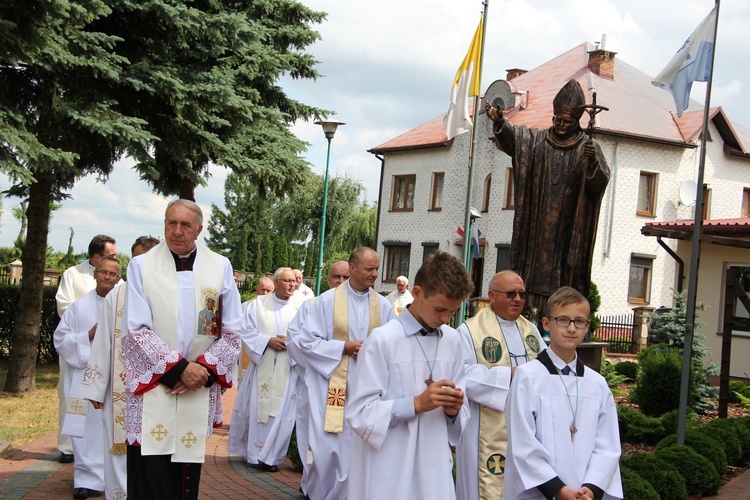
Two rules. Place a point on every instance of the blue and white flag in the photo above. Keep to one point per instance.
(692, 63)
(475, 242)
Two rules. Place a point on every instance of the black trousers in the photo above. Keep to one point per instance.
(156, 477)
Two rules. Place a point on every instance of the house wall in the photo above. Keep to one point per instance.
(714, 260)
(619, 230)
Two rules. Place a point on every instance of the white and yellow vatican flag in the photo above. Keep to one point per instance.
(465, 85)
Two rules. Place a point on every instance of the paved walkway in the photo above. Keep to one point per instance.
(33, 472)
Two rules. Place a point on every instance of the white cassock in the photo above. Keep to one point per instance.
(397, 454)
(303, 293)
(399, 301)
(72, 343)
(100, 389)
(484, 387)
(251, 436)
(329, 468)
(540, 415)
(302, 419)
(75, 282)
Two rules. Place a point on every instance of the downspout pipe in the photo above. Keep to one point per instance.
(680, 262)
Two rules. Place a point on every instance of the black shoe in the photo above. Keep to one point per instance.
(66, 458)
(81, 493)
(267, 468)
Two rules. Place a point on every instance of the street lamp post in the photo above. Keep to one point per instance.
(329, 128)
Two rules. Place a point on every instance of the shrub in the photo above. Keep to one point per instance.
(730, 442)
(669, 421)
(292, 452)
(627, 369)
(663, 477)
(736, 389)
(700, 475)
(702, 443)
(739, 430)
(610, 375)
(657, 387)
(9, 297)
(635, 427)
(634, 486)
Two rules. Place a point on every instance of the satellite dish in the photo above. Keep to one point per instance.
(687, 192)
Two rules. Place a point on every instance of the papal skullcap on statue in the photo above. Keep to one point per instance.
(570, 100)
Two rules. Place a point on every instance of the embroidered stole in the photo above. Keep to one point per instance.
(336, 400)
(76, 409)
(117, 380)
(492, 350)
(273, 370)
(177, 425)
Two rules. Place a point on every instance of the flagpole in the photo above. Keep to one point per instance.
(687, 352)
(470, 179)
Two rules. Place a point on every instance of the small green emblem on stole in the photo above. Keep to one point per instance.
(496, 464)
(491, 349)
(532, 342)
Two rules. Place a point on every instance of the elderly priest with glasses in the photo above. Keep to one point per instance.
(496, 341)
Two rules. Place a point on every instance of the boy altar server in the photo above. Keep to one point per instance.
(406, 407)
(564, 441)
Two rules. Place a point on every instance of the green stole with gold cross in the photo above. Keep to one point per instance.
(491, 350)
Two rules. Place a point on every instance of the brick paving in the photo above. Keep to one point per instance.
(34, 473)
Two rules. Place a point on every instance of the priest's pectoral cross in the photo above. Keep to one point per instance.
(573, 430)
(429, 381)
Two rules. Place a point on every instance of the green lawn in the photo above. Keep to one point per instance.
(26, 417)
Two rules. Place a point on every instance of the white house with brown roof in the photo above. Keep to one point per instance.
(650, 152)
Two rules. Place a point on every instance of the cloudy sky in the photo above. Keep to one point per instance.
(388, 66)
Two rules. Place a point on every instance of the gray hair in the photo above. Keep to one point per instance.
(403, 279)
(280, 271)
(189, 204)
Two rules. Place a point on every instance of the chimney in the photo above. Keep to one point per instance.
(512, 73)
(602, 62)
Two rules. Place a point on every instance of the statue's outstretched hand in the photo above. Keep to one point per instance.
(495, 114)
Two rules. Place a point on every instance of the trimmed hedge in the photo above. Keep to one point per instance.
(730, 430)
(634, 486)
(9, 298)
(627, 369)
(704, 444)
(635, 427)
(663, 476)
(700, 475)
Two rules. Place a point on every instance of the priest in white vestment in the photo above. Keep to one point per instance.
(174, 372)
(264, 287)
(302, 292)
(337, 274)
(75, 282)
(264, 410)
(401, 296)
(73, 338)
(495, 341)
(106, 389)
(329, 340)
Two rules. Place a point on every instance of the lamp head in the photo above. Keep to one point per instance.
(329, 127)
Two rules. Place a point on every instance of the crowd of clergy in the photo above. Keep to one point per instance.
(377, 388)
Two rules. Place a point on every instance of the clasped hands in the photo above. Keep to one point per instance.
(442, 393)
(568, 493)
(193, 377)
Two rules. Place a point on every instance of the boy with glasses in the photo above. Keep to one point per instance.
(564, 440)
(495, 341)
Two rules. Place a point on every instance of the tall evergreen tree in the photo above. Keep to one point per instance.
(58, 122)
(266, 255)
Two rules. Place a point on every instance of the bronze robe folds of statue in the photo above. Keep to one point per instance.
(557, 196)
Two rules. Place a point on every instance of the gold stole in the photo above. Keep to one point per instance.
(336, 401)
(491, 350)
(177, 425)
(117, 380)
(273, 370)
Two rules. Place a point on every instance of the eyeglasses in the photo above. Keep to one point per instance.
(108, 274)
(287, 281)
(565, 322)
(511, 294)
